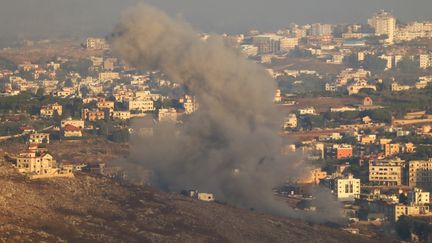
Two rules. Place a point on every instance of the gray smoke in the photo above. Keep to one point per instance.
(235, 128)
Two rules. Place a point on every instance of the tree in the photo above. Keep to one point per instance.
(403, 228)
(40, 92)
(352, 61)
(407, 65)
(374, 63)
(120, 136)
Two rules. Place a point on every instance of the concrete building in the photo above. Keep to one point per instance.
(206, 197)
(249, 50)
(35, 162)
(71, 131)
(48, 111)
(140, 105)
(70, 121)
(418, 197)
(347, 188)
(420, 173)
(190, 104)
(384, 23)
(105, 104)
(108, 76)
(287, 44)
(319, 29)
(387, 172)
(391, 149)
(313, 177)
(121, 115)
(167, 115)
(96, 43)
(92, 115)
(395, 87)
(39, 138)
(290, 121)
(38, 164)
(267, 43)
(307, 111)
(342, 151)
(396, 211)
(425, 60)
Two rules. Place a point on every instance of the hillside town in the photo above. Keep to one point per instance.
(356, 100)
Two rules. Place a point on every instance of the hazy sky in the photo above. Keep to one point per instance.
(45, 18)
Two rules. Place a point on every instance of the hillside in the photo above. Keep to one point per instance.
(96, 209)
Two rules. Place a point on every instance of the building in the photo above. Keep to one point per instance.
(48, 111)
(367, 101)
(96, 43)
(343, 151)
(360, 85)
(109, 76)
(140, 105)
(418, 197)
(278, 97)
(206, 197)
(396, 211)
(425, 60)
(386, 172)
(367, 139)
(71, 131)
(167, 115)
(70, 121)
(384, 23)
(104, 104)
(190, 104)
(391, 149)
(347, 188)
(313, 177)
(39, 138)
(38, 164)
(319, 29)
(287, 44)
(395, 87)
(267, 43)
(249, 50)
(290, 121)
(420, 173)
(121, 115)
(92, 115)
(307, 111)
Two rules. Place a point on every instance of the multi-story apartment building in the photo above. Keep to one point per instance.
(387, 172)
(140, 105)
(50, 110)
(39, 138)
(76, 123)
(347, 188)
(384, 23)
(420, 173)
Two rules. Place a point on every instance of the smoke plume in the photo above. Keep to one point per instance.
(230, 146)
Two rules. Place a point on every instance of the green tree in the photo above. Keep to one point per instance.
(374, 63)
(407, 65)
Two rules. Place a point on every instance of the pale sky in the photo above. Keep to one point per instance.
(47, 18)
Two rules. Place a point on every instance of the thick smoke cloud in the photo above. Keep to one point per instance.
(230, 146)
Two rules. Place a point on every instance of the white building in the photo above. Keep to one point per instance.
(418, 197)
(141, 105)
(384, 23)
(425, 61)
(307, 111)
(290, 121)
(347, 188)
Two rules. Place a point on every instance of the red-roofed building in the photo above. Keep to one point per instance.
(71, 131)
